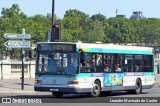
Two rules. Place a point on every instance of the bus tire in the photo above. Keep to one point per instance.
(57, 94)
(96, 89)
(138, 87)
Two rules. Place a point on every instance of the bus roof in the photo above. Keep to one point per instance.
(107, 48)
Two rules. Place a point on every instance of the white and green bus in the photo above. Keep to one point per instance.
(95, 69)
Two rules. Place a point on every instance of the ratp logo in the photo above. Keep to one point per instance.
(6, 100)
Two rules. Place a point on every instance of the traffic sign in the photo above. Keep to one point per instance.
(18, 44)
(17, 36)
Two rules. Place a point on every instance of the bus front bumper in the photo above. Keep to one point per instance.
(63, 90)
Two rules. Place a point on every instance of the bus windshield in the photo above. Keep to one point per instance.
(57, 63)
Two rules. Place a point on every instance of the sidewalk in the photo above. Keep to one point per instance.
(13, 86)
(157, 79)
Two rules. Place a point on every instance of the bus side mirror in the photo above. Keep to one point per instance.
(82, 58)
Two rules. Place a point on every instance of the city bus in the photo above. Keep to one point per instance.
(94, 69)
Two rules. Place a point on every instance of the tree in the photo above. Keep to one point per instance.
(37, 26)
(13, 11)
(151, 31)
(101, 18)
(96, 32)
(2, 40)
(117, 30)
(11, 22)
(74, 23)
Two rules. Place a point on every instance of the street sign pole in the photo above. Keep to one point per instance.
(22, 85)
(23, 52)
(19, 44)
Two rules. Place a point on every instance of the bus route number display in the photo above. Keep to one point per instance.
(57, 47)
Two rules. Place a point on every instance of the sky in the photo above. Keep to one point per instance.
(150, 8)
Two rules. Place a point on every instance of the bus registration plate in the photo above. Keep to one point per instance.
(53, 89)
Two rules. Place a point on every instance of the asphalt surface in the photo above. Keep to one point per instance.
(13, 87)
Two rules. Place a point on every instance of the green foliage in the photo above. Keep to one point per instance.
(74, 24)
(13, 11)
(77, 25)
(101, 18)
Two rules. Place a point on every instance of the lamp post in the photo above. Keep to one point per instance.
(52, 30)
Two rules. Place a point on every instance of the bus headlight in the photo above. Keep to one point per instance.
(73, 82)
(37, 81)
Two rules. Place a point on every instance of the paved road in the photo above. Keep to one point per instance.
(12, 88)
(82, 98)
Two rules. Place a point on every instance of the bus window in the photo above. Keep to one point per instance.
(52, 64)
(147, 63)
(138, 63)
(113, 62)
(91, 62)
(118, 60)
(85, 61)
(128, 67)
(117, 68)
(109, 62)
(107, 68)
(99, 63)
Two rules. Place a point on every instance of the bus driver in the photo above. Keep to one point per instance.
(73, 66)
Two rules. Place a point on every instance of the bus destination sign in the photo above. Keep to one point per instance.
(57, 47)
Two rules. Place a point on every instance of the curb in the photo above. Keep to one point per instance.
(23, 92)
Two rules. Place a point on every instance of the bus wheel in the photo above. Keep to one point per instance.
(57, 94)
(96, 89)
(138, 87)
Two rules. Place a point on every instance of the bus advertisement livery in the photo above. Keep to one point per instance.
(94, 69)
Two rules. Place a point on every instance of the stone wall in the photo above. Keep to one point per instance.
(13, 70)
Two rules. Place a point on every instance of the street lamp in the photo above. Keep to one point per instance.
(55, 34)
(52, 29)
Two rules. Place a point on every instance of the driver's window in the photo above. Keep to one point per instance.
(52, 63)
(43, 63)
